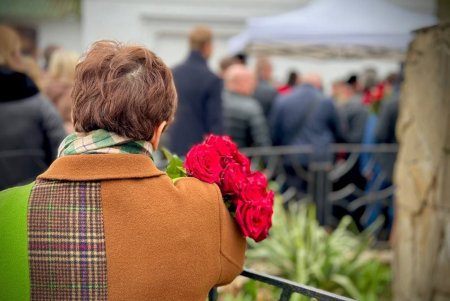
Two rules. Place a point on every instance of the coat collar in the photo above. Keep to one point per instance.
(196, 56)
(101, 167)
(15, 85)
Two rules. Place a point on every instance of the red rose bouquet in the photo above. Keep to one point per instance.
(218, 160)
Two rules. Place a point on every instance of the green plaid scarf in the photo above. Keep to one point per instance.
(102, 142)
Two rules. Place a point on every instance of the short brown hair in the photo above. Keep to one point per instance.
(199, 37)
(125, 89)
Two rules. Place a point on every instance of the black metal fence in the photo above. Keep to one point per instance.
(344, 179)
(287, 288)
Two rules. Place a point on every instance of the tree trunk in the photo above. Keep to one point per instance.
(422, 176)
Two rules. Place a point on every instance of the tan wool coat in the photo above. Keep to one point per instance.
(163, 240)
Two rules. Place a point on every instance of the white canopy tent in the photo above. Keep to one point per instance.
(334, 28)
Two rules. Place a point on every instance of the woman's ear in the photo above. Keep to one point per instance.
(157, 135)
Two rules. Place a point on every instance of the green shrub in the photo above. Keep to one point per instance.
(299, 249)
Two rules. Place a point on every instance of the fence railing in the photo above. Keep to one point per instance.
(344, 179)
(349, 178)
(287, 288)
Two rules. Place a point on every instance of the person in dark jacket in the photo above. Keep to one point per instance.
(353, 112)
(385, 132)
(30, 127)
(199, 96)
(244, 119)
(265, 93)
(304, 117)
(354, 116)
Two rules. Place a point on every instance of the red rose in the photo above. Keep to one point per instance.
(259, 179)
(234, 178)
(217, 160)
(255, 218)
(254, 188)
(223, 145)
(242, 160)
(203, 163)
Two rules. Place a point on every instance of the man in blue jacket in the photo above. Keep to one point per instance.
(199, 95)
(305, 117)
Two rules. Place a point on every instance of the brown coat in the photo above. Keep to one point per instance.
(164, 241)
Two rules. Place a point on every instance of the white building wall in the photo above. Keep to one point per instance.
(66, 33)
(163, 26)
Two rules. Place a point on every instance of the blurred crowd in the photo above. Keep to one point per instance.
(242, 102)
(255, 111)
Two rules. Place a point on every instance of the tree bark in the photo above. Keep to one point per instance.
(422, 175)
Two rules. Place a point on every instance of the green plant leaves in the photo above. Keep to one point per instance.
(299, 249)
(175, 167)
(346, 283)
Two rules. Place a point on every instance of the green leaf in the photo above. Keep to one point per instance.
(167, 154)
(175, 167)
(347, 284)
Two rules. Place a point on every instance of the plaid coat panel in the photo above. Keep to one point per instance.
(66, 241)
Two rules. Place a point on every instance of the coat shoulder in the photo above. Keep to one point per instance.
(196, 189)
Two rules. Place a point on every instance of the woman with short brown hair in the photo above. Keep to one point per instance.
(103, 223)
(127, 90)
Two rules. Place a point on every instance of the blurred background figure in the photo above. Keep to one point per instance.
(354, 113)
(369, 80)
(31, 68)
(30, 127)
(338, 92)
(241, 57)
(385, 128)
(301, 118)
(244, 119)
(293, 80)
(59, 83)
(48, 51)
(226, 63)
(199, 95)
(378, 168)
(265, 93)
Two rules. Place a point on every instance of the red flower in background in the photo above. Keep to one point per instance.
(218, 160)
(378, 94)
(373, 95)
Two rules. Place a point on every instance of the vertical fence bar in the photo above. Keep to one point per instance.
(321, 189)
(212, 296)
(285, 295)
